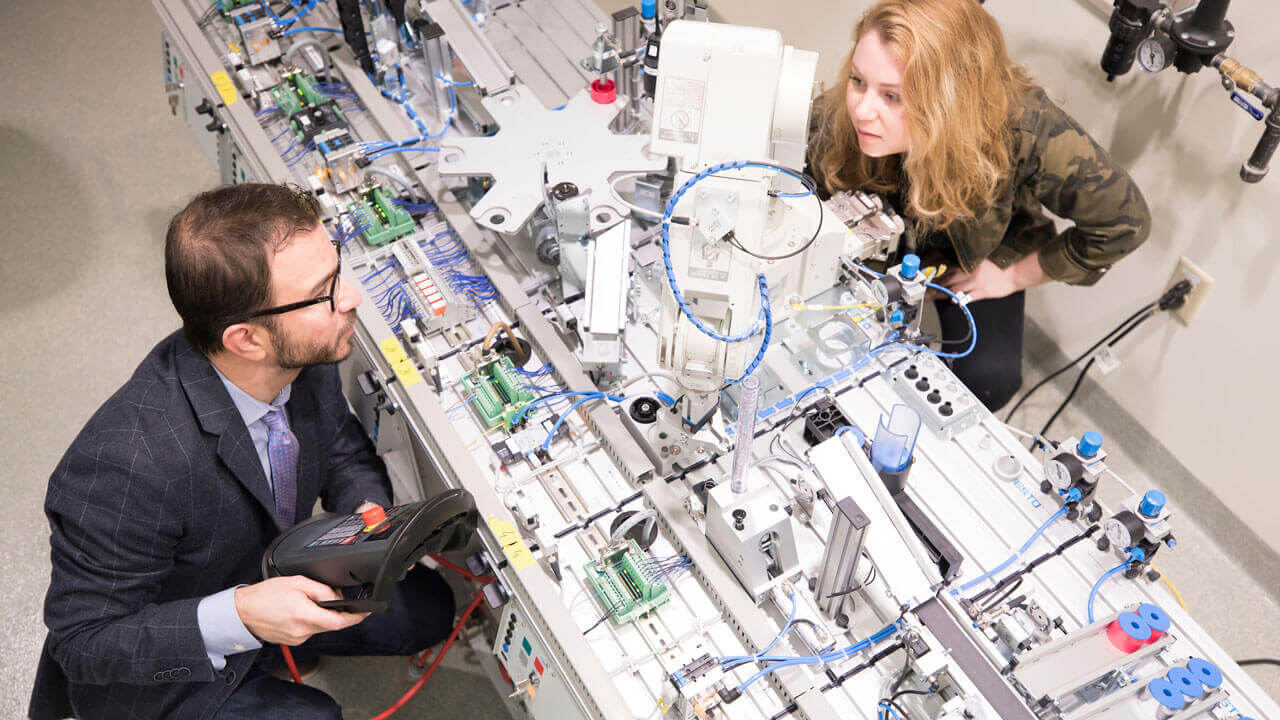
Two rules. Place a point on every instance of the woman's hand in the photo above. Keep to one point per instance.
(989, 281)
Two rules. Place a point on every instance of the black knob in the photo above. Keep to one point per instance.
(644, 410)
(738, 516)
(1094, 514)
(911, 373)
(205, 107)
(1045, 486)
(934, 397)
(945, 409)
(215, 125)
(922, 384)
(1103, 543)
(1153, 575)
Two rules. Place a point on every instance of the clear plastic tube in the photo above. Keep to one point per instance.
(744, 434)
(892, 448)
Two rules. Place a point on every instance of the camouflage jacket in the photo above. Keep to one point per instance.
(1058, 167)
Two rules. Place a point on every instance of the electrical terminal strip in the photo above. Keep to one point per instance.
(625, 583)
(436, 304)
(382, 220)
(440, 302)
(496, 392)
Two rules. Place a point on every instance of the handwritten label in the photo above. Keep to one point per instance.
(401, 364)
(512, 545)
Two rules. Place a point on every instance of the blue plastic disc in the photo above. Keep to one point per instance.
(1205, 671)
(1155, 617)
(1186, 682)
(1134, 626)
(1163, 692)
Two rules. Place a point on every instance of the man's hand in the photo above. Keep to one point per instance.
(283, 610)
(989, 281)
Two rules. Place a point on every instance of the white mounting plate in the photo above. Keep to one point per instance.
(574, 144)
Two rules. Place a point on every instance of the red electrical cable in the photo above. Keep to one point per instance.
(288, 660)
(436, 663)
(485, 580)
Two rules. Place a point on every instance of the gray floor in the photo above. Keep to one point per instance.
(93, 166)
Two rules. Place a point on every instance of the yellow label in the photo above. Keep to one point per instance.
(401, 364)
(512, 545)
(226, 88)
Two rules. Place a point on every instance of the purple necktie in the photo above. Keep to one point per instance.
(282, 451)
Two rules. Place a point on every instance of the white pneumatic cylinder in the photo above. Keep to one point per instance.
(745, 432)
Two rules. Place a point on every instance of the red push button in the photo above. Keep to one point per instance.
(537, 665)
(373, 517)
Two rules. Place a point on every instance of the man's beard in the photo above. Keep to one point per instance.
(292, 354)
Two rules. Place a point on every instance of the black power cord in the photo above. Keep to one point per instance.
(1172, 299)
(1085, 370)
(1048, 378)
(1258, 661)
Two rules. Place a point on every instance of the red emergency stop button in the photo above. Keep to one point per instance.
(373, 517)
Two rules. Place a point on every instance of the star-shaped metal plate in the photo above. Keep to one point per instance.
(574, 144)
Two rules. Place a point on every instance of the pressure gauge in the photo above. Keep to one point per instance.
(1155, 53)
(886, 290)
(1063, 470)
(1124, 529)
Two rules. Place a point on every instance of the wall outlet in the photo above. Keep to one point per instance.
(1200, 284)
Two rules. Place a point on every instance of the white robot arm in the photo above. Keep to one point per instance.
(734, 96)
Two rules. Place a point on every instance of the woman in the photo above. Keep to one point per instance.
(931, 113)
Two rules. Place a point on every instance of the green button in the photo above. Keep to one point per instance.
(528, 649)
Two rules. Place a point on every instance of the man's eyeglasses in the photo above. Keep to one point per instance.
(331, 298)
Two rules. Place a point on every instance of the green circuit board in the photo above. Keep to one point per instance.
(625, 583)
(496, 392)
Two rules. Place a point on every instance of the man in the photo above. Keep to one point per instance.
(225, 436)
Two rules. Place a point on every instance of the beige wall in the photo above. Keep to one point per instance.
(1206, 392)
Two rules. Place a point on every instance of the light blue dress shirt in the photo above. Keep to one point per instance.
(220, 625)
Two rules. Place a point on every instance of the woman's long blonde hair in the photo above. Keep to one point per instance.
(959, 88)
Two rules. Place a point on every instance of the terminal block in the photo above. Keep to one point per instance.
(382, 219)
(625, 584)
(497, 392)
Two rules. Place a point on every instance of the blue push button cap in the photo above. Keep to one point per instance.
(1152, 503)
(648, 8)
(910, 265)
(1089, 443)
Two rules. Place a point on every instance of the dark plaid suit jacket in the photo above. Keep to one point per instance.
(160, 501)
